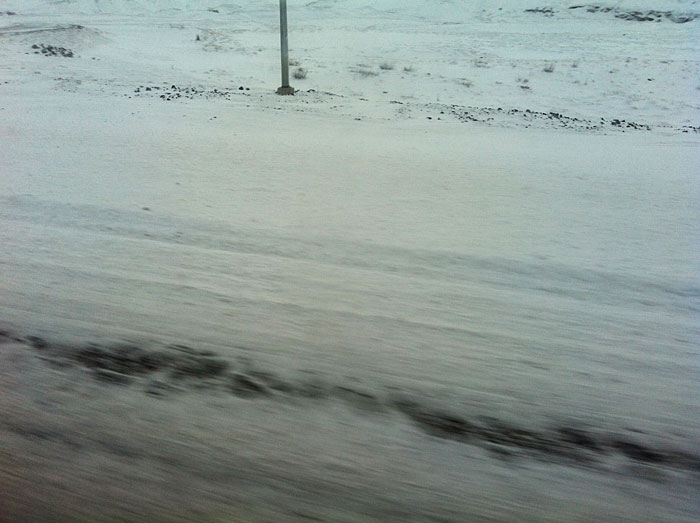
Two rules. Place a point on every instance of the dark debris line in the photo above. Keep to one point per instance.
(177, 368)
(488, 114)
(175, 92)
(630, 15)
(464, 114)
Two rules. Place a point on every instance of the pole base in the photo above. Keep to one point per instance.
(284, 90)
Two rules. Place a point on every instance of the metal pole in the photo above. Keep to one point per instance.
(285, 89)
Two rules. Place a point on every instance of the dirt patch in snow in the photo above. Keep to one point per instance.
(51, 50)
(630, 15)
(170, 92)
(176, 369)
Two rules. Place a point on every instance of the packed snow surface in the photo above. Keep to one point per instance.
(455, 276)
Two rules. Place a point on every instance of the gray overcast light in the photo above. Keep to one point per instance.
(452, 277)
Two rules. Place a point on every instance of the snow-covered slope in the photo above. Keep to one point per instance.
(513, 65)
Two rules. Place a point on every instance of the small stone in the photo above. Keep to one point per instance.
(244, 387)
(37, 342)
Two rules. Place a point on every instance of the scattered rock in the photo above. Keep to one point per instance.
(650, 15)
(636, 451)
(312, 389)
(434, 422)
(245, 387)
(546, 11)
(502, 433)
(198, 367)
(159, 388)
(357, 398)
(50, 50)
(175, 92)
(37, 342)
(125, 359)
(578, 437)
(544, 119)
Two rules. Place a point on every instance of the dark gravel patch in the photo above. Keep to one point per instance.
(173, 92)
(633, 15)
(528, 117)
(52, 50)
(247, 387)
(178, 368)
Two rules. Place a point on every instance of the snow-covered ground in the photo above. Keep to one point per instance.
(455, 277)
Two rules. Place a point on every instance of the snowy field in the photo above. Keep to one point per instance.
(453, 278)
